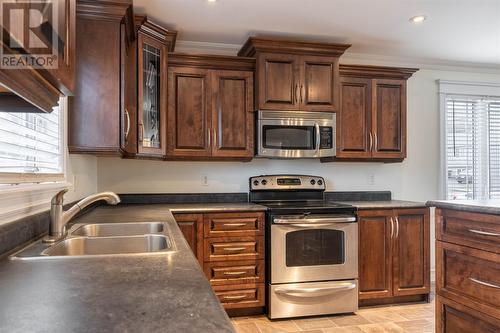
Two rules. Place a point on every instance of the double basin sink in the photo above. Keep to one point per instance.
(111, 239)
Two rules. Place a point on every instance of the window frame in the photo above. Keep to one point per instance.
(456, 88)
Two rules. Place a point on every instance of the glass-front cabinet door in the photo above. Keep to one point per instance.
(152, 97)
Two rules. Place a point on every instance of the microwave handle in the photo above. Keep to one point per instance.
(318, 140)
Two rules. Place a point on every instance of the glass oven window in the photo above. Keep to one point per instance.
(288, 137)
(315, 247)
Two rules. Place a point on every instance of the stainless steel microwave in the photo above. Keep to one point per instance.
(295, 134)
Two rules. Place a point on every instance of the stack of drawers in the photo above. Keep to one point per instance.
(467, 272)
(233, 255)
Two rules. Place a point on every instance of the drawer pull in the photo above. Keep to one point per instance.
(233, 249)
(485, 233)
(236, 297)
(234, 273)
(234, 224)
(485, 283)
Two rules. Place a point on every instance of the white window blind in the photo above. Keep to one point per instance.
(472, 147)
(31, 143)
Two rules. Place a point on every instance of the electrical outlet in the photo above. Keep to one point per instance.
(73, 184)
(204, 180)
(371, 179)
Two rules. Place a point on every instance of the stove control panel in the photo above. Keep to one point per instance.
(287, 182)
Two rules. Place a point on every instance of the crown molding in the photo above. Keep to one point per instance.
(350, 58)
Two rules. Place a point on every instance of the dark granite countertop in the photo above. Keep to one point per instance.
(163, 292)
(384, 204)
(476, 206)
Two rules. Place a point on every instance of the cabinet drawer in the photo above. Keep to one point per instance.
(469, 276)
(453, 317)
(235, 272)
(480, 231)
(241, 296)
(234, 248)
(234, 224)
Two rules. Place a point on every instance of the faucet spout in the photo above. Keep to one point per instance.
(59, 218)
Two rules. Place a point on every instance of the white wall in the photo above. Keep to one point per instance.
(82, 174)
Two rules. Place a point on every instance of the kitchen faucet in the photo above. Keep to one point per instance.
(59, 217)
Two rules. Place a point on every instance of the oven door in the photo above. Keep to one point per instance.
(296, 137)
(313, 248)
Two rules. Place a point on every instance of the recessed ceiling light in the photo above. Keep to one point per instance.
(418, 19)
(211, 1)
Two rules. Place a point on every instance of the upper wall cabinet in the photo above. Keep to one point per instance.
(294, 75)
(104, 103)
(153, 44)
(54, 53)
(210, 107)
(371, 122)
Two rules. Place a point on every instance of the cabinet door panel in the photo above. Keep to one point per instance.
(152, 65)
(375, 254)
(188, 112)
(191, 226)
(318, 89)
(354, 119)
(411, 252)
(278, 82)
(232, 114)
(389, 118)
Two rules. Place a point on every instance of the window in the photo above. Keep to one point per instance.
(472, 146)
(31, 146)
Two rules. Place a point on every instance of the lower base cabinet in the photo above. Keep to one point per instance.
(394, 255)
(453, 317)
(467, 272)
(230, 249)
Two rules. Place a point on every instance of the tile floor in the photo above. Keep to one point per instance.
(402, 318)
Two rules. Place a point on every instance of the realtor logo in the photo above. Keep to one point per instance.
(29, 34)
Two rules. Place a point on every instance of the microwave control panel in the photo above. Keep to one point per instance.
(325, 137)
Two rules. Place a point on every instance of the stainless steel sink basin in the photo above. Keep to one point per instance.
(87, 246)
(118, 229)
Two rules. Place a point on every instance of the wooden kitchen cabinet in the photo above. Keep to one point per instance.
(394, 254)
(230, 248)
(210, 108)
(294, 75)
(104, 87)
(42, 87)
(371, 122)
(467, 271)
(191, 226)
(153, 44)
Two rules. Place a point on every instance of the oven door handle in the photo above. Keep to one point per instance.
(315, 292)
(318, 139)
(315, 221)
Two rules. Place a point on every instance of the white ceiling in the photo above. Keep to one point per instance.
(456, 31)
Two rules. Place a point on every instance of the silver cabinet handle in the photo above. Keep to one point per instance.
(371, 141)
(127, 131)
(485, 233)
(392, 227)
(234, 273)
(296, 93)
(397, 228)
(209, 139)
(487, 284)
(314, 292)
(233, 249)
(375, 139)
(301, 88)
(236, 297)
(234, 224)
(318, 139)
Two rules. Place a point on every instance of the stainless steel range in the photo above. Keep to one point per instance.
(311, 247)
